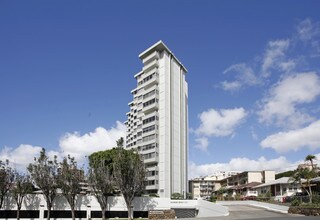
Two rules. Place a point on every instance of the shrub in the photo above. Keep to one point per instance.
(213, 198)
(295, 202)
(153, 195)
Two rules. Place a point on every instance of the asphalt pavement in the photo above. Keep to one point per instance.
(252, 213)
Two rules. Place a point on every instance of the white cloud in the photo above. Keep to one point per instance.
(287, 66)
(308, 137)
(274, 55)
(79, 146)
(309, 33)
(220, 123)
(280, 106)
(242, 164)
(244, 76)
(307, 30)
(202, 143)
(231, 86)
(71, 143)
(21, 156)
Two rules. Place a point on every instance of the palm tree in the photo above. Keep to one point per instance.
(310, 158)
(303, 176)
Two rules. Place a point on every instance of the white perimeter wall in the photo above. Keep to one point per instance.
(87, 203)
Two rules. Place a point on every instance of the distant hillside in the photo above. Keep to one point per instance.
(285, 174)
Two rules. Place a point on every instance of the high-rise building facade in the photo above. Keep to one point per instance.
(157, 124)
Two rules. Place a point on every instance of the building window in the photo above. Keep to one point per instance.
(149, 94)
(148, 120)
(148, 129)
(149, 146)
(151, 101)
(148, 138)
(149, 155)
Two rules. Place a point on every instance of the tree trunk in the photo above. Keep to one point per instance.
(310, 194)
(18, 213)
(103, 212)
(129, 212)
(48, 213)
(1, 202)
(73, 214)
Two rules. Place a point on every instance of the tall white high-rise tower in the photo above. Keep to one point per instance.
(157, 124)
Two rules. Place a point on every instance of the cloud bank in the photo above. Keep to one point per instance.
(279, 164)
(73, 144)
(280, 106)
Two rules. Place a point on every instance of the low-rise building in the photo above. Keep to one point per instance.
(242, 183)
(249, 177)
(203, 187)
(279, 188)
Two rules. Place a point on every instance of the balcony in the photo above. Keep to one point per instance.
(150, 108)
(152, 64)
(155, 177)
(149, 187)
(151, 160)
(154, 55)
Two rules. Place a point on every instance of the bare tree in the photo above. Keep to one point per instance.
(21, 187)
(129, 172)
(6, 179)
(69, 180)
(44, 174)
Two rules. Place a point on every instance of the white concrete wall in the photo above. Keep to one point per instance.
(172, 127)
(87, 203)
(269, 175)
(254, 177)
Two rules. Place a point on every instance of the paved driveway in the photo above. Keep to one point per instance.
(250, 212)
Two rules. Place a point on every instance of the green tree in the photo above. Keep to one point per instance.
(310, 158)
(221, 192)
(21, 187)
(44, 173)
(285, 174)
(304, 174)
(6, 179)
(101, 181)
(129, 172)
(103, 158)
(69, 180)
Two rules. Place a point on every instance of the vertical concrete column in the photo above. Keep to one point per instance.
(88, 212)
(41, 211)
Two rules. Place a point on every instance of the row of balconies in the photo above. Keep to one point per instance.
(150, 187)
(154, 55)
(153, 79)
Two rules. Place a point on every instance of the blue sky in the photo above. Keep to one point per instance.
(66, 72)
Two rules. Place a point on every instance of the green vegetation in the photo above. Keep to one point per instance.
(69, 181)
(22, 186)
(177, 196)
(213, 198)
(6, 179)
(44, 173)
(285, 174)
(117, 169)
(307, 174)
(129, 174)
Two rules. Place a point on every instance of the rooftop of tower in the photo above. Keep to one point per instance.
(160, 46)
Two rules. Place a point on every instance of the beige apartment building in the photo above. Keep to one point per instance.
(234, 182)
(203, 187)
